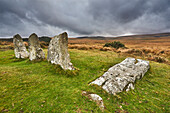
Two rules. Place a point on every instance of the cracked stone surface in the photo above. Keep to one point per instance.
(122, 76)
(36, 52)
(58, 52)
(19, 47)
(96, 98)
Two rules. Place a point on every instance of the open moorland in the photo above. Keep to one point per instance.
(27, 86)
(154, 47)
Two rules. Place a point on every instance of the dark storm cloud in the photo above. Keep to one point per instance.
(121, 11)
(133, 16)
(84, 17)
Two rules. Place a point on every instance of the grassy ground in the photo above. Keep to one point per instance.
(37, 87)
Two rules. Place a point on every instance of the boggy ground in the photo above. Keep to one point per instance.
(42, 87)
(154, 47)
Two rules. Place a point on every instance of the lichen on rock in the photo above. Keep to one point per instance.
(36, 52)
(58, 51)
(122, 76)
(19, 47)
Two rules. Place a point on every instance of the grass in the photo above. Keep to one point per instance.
(42, 87)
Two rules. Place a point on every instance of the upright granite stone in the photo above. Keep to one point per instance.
(58, 52)
(19, 47)
(122, 76)
(36, 52)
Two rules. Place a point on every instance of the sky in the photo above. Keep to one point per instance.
(83, 17)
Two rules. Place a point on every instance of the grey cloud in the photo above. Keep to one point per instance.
(127, 16)
(120, 11)
(84, 17)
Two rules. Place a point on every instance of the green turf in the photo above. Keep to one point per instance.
(42, 87)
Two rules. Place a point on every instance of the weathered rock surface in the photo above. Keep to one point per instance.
(36, 52)
(122, 76)
(58, 52)
(96, 98)
(19, 47)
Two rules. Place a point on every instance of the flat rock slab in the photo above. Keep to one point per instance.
(122, 76)
(58, 52)
(36, 52)
(19, 47)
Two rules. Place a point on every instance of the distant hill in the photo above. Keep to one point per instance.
(129, 36)
(93, 37)
(145, 36)
(43, 38)
(157, 35)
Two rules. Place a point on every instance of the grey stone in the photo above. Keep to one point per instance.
(36, 52)
(58, 52)
(122, 76)
(19, 47)
(96, 98)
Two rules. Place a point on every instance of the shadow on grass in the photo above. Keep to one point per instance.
(67, 73)
(17, 59)
(36, 61)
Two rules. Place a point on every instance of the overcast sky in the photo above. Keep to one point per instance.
(83, 17)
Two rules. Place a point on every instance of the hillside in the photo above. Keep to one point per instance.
(42, 87)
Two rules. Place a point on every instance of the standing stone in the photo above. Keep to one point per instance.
(36, 52)
(58, 52)
(122, 76)
(19, 47)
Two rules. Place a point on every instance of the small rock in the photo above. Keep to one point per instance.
(96, 98)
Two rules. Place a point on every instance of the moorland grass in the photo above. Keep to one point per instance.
(42, 87)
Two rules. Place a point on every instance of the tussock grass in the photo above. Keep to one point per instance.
(42, 87)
